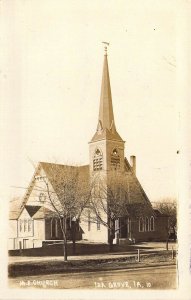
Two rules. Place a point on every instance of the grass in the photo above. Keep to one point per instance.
(52, 267)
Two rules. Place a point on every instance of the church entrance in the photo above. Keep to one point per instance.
(124, 228)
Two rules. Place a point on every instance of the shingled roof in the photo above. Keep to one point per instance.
(13, 215)
(138, 200)
(15, 208)
(106, 134)
(57, 172)
(52, 170)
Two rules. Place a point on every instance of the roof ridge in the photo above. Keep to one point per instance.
(63, 165)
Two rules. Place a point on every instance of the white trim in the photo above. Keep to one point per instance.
(129, 227)
(147, 228)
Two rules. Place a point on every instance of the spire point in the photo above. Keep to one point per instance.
(105, 48)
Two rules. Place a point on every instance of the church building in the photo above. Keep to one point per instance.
(37, 221)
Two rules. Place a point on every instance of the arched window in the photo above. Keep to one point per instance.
(141, 224)
(115, 159)
(146, 224)
(152, 223)
(98, 160)
(54, 228)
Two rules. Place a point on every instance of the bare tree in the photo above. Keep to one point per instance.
(67, 191)
(109, 199)
(115, 197)
(168, 207)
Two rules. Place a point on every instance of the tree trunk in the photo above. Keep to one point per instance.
(65, 252)
(111, 244)
(167, 240)
(65, 248)
(111, 233)
(64, 230)
(110, 241)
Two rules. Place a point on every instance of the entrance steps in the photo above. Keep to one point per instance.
(126, 241)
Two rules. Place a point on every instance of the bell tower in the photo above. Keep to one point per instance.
(106, 148)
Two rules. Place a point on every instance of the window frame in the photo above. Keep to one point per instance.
(147, 225)
(115, 159)
(25, 225)
(29, 225)
(141, 224)
(152, 223)
(56, 227)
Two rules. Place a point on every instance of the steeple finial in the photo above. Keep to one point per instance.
(105, 48)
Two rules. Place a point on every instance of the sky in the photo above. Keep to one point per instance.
(52, 81)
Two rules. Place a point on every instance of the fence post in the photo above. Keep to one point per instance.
(138, 255)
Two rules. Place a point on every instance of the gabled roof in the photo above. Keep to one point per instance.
(15, 208)
(39, 212)
(106, 134)
(51, 169)
(139, 203)
(32, 209)
(13, 215)
(30, 186)
(159, 214)
(140, 209)
(56, 173)
(43, 213)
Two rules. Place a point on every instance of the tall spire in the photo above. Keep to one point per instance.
(106, 125)
(106, 117)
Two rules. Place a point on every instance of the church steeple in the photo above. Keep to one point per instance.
(106, 124)
(106, 147)
(106, 117)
